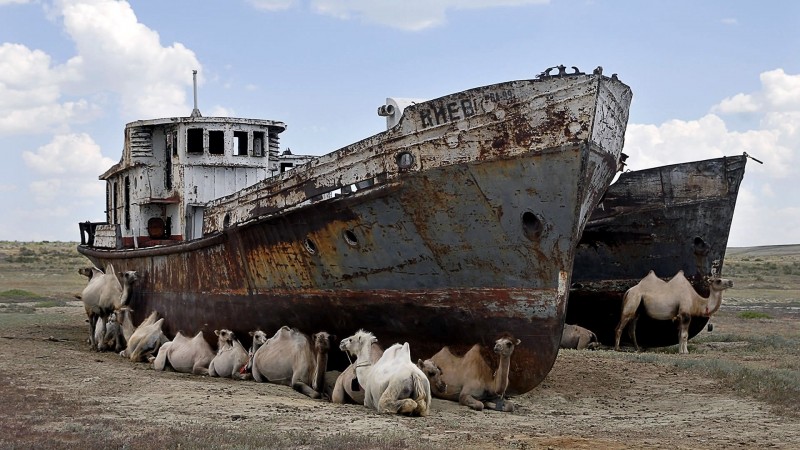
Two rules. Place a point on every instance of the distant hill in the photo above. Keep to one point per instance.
(765, 250)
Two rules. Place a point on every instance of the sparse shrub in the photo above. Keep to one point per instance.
(754, 315)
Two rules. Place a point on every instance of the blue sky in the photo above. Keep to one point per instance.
(709, 78)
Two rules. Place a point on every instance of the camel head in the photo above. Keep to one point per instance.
(129, 277)
(86, 271)
(505, 345)
(719, 284)
(323, 341)
(224, 337)
(259, 338)
(354, 344)
(434, 374)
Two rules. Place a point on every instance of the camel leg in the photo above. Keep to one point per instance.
(338, 395)
(683, 333)
(305, 389)
(583, 342)
(632, 331)
(390, 403)
(500, 404)
(630, 303)
(472, 402)
(160, 363)
(92, 324)
(199, 370)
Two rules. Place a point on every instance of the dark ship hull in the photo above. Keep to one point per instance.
(665, 219)
(430, 240)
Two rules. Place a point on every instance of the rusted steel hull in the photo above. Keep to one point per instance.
(664, 219)
(473, 240)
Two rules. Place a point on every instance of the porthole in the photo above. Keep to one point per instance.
(404, 160)
(531, 225)
(311, 247)
(350, 238)
(226, 221)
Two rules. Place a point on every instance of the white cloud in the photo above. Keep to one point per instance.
(411, 15)
(74, 155)
(729, 21)
(766, 210)
(118, 54)
(273, 5)
(11, 2)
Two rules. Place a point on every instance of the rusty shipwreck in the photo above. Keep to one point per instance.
(456, 225)
(665, 219)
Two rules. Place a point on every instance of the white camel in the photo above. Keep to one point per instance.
(346, 387)
(103, 294)
(185, 355)
(578, 338)
(231, 357)
(675, 300)
(143, 341)
(393, 384)
(259, 338)
(289, 358)
(469, 379)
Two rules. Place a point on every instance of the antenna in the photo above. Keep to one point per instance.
(195, 111)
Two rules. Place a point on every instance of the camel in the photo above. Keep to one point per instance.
(347, 387)
(674, 300)
(393, 384)
(185, 355)
(259, 338)
(231, 357)
(144, 340)
(578, 338)
(289, 358)
(469, 379)
(104, 294)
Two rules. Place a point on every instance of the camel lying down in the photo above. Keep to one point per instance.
(185, 355)
(231, 357)
(289, 358)
(393, 384)
(578, 338)
(469, 380)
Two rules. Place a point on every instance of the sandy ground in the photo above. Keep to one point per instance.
(54, 386)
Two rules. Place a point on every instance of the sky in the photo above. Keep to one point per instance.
(709, 78)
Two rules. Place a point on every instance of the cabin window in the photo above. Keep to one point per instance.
(240, 143)
(286, 166)
(127, 203)
(258, 143)
(194, 140)
(216, 142)
(114, 194)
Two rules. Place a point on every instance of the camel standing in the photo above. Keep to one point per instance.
(289, 358)
(231, 357)
(393, 384)
(578, 338)
(103, 294)
(185, 355)
(469, 379)
(675, 300)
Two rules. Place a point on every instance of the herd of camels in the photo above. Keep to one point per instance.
(386, 380)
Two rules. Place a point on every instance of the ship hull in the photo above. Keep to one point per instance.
(473, 240)
(665, 219)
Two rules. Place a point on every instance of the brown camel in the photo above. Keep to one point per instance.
(675, 300)
(289, 358)
(469, 379)
(578, 338)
